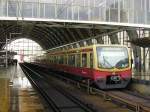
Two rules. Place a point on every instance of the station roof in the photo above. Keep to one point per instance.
(8, 52)
(50, 34)
(141, 42)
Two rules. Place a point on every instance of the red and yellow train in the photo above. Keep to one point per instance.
(108, 66)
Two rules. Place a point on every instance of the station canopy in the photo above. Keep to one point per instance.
(53, 23)
(141, 42)
(51, 34)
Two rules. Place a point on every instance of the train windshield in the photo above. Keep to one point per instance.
(112, 57)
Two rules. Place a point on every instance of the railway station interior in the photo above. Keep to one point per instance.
(74, 55)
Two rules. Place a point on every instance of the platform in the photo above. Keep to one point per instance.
(141, 82)
(16, 93)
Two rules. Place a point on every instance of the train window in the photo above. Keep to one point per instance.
(78, 60)
(61, 59)
(91, 60)
(58, 58)
(55, 59)
(52, 59)
(84, 60)
(49, 57)
(71, 60)
(65, 59)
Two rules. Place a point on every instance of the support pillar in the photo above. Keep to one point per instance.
(144, 60)
(83, 43)
(114, 38)
(149, 57)
(89, 42)
(100, 40)
(136, 50)
(6, 53)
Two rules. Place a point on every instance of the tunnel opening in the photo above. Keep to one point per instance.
(25, 49)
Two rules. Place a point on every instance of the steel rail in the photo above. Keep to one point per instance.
(66, 94)
(40, 90)
(107, 95)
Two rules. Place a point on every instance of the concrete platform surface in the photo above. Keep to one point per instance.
(16, 92)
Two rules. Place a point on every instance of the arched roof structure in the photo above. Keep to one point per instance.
(50, 34)
(53, 23)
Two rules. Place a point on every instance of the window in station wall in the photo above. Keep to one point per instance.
(26, 49)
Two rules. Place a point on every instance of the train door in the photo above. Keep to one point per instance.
(65, 62)
(90, 60)
(84, 64)
(78, 63)
(90, 64)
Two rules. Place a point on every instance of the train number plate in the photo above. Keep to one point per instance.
(115, 78)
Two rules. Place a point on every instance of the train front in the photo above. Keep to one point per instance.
(113, 67)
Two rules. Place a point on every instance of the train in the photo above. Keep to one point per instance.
(106, 66)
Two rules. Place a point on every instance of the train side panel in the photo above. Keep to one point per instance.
(83, 62)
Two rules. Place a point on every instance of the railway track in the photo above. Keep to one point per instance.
(128, 99)
(146, 97)
(133, 102)
(57, 99)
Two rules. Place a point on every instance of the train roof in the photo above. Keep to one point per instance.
(86, 47)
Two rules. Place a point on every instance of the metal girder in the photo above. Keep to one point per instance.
(41, 43)
(89, 42)
(65, 33)
(76, 26)
(85, 32)
(6, 32)
(141, 42)
(133, 35)
(46, 41)
(72, 36)
(76, 34)
(79, 33)
(114, 38)
(100, 40)
(60, 35)
(52, 35)
(83, 43)
(35, 33)
(45, 34)
(53, 29)
(136, 50)
(34, 39)
(44, 44)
